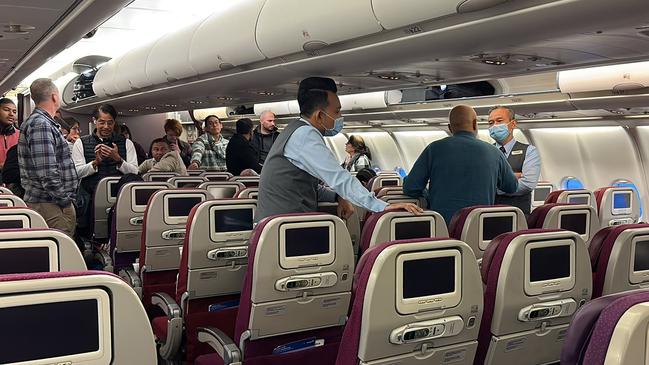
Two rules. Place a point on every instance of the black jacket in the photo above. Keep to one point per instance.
(11, 171)
(240, 155)
(262, 143)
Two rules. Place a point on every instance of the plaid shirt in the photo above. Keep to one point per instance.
(46, 169)
(210, 153)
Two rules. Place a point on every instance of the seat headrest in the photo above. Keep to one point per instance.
(592, 327)
(536, 219)
(459, 218)
(553, 197)
(493, 255)
(599, 195)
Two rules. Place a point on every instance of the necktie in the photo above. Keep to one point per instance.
(502, 149)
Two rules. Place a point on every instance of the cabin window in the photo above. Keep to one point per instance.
(571, 183)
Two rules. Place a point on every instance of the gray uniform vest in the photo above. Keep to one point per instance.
(284, 188)
(516, 160)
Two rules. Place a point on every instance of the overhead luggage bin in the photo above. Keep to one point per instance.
(129, 74)
(227, 39)
(168, 60)
(374, 100)
(396, 14)
(617, 78)
(308, 28)
(103, 84)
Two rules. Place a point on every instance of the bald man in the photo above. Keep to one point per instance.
(460, 171)
(264, 135)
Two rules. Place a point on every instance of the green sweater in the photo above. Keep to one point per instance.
(459, 171)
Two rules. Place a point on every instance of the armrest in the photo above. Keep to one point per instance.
(168, 305)
(105, 259)
(221, 343)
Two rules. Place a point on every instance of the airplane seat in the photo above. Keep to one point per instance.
(540, 193)
(7, 191)
(248, 193)
(296, 294)
(401, 225)
(10, 200)
(88, 317)
(380, 181)
(105, 197)
(196, 172)
(248, 181)
(163, 234)
(402, 198)
(126, 229)
(574, 196)
(399, 315)
(159, 176)
(353, 223)
(18, 217)
(581, 219)
(609, 330)
(619, 256)
(30, 250)
(217, 176)
(222, 189)
(480, 224)
(388, 190)
(187, 181)
(617, 205)
(210, 277)
(534, 282)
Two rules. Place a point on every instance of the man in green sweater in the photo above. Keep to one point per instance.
(460, 171)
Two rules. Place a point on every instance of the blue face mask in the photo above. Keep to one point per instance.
(499, 132)
(339, 123)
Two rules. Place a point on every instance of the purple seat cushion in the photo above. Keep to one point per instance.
(591, 330)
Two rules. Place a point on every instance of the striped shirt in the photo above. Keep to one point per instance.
(210, 153)
(46, 169)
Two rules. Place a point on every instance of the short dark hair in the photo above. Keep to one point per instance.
(365, 175)
(244, 126)
(105, 108)
(160, 140)
(212, 116)
(4, 101)
(313, 94)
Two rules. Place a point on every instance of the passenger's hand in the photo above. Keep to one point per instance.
(518, 175)
(174, 146)
(114, 153)
(193, 166)
(345, 208)
(248, 172)
(410, 207)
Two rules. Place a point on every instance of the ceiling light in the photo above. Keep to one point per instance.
(224, 98)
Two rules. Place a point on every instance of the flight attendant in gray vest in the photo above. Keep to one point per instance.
(299, 160)
(523, 158)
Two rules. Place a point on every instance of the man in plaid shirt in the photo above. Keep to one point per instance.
(208, 150)
(46, 169)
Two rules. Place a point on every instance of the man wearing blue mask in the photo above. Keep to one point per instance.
(299, 159)
(523, 158)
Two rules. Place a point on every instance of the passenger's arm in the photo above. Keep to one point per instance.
(415, 183)
(507, 181)
(250, 159)
(129, 165)
(531, 171)
(144, 167)
(42, 145)
(198, 148)
(307, 151)
(83, 169)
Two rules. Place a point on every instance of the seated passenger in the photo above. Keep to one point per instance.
(125, 132)
(173, 131)
(460, 171)
(240, 154)
(163, 159)
(365, 175)
(358, 155)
